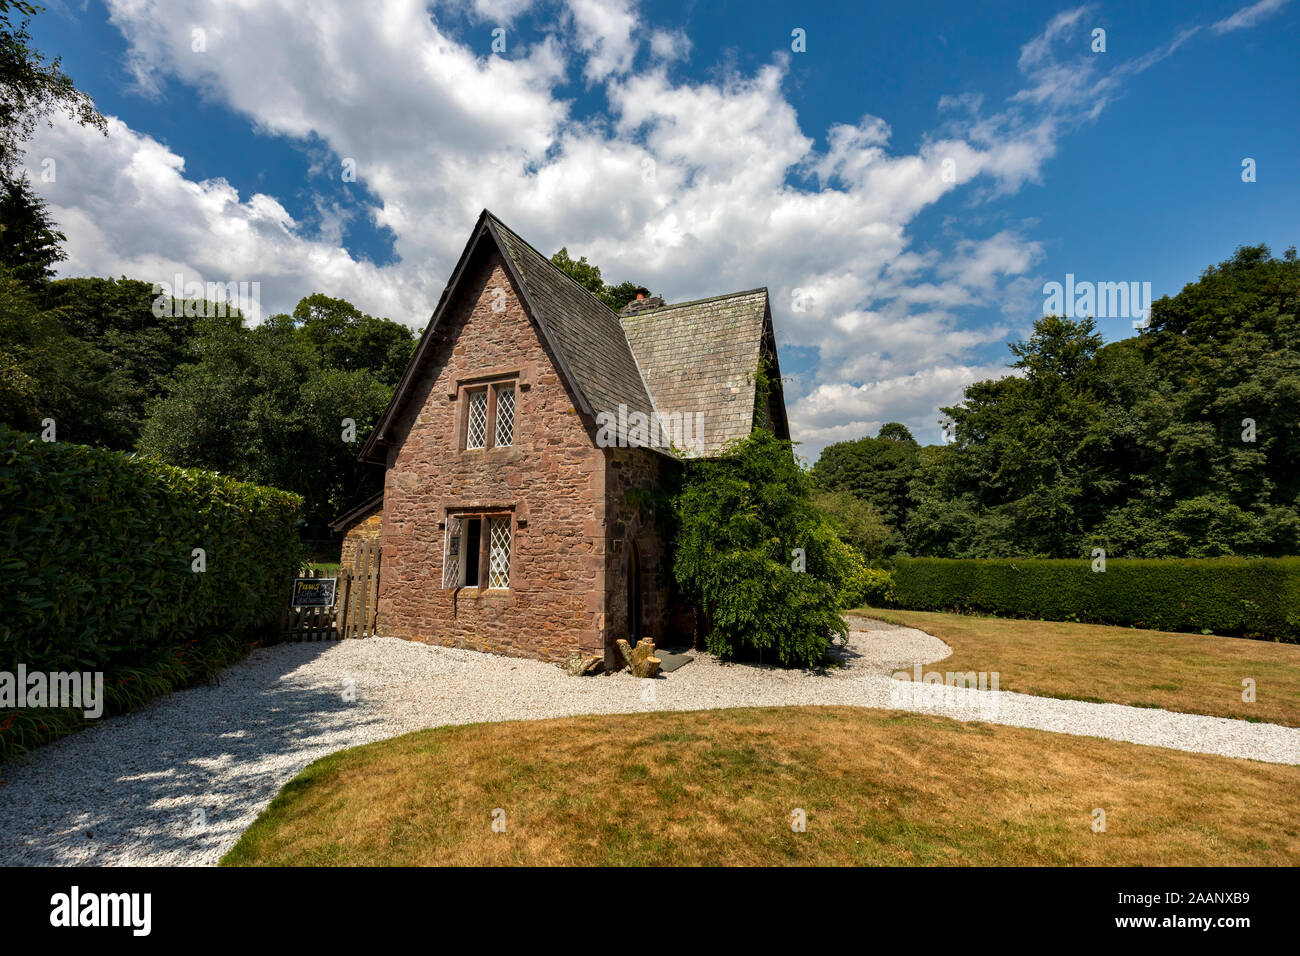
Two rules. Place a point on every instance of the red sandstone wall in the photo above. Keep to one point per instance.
(628, 522)
(553, 476)
(366, 529)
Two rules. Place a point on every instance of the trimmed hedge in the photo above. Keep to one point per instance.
(1246, 597)
(96, 552)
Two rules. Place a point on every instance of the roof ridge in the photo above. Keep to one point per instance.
(603, 322)
(709, 298)
(590, 344)
(541, 255)
(618, 315)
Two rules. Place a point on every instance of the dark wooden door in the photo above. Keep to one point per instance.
(634, 595)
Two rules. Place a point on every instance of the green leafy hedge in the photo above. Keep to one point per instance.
(1247, 597)
(96, 567)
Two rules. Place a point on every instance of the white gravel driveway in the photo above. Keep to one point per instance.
(178, 782)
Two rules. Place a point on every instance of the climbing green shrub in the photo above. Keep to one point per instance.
(746, 525)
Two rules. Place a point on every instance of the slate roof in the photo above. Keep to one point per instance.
(341, 523)
(584, 332)
(684, 358)
(700, 357)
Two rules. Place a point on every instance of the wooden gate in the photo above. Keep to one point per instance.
(360, 584)
(356, 602)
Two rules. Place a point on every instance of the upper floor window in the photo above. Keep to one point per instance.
(490, 416)
(505, 434)
(476, 436)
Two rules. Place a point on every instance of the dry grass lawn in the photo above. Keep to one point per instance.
(719, 788)
(1191, 673)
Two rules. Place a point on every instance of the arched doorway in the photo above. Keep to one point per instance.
(633, 594)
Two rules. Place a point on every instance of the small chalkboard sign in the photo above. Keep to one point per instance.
(313, 592)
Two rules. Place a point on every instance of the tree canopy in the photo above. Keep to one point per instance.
(286, 403)
(1181, 441)
(30, 243)
(268, 404)
(46, 373)
(32, 89)
(349, 340)
(877, 471)
(588, 276)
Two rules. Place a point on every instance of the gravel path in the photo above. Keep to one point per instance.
(884, 647)
(178, 782)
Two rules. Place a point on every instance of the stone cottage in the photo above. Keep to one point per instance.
(522, 439)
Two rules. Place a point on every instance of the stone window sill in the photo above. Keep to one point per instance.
(499, 453)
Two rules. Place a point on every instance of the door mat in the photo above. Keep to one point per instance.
(669, 662)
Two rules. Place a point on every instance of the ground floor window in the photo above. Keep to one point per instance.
(499, 552)
(476, 551)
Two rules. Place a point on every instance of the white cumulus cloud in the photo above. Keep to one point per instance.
(692, 187)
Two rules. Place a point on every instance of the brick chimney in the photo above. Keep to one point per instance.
(643, 302)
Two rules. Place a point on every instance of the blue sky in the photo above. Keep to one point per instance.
(688, 146)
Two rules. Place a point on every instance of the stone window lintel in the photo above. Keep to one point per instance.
(522, 375)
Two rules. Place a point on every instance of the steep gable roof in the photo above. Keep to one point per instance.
(701, 357)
